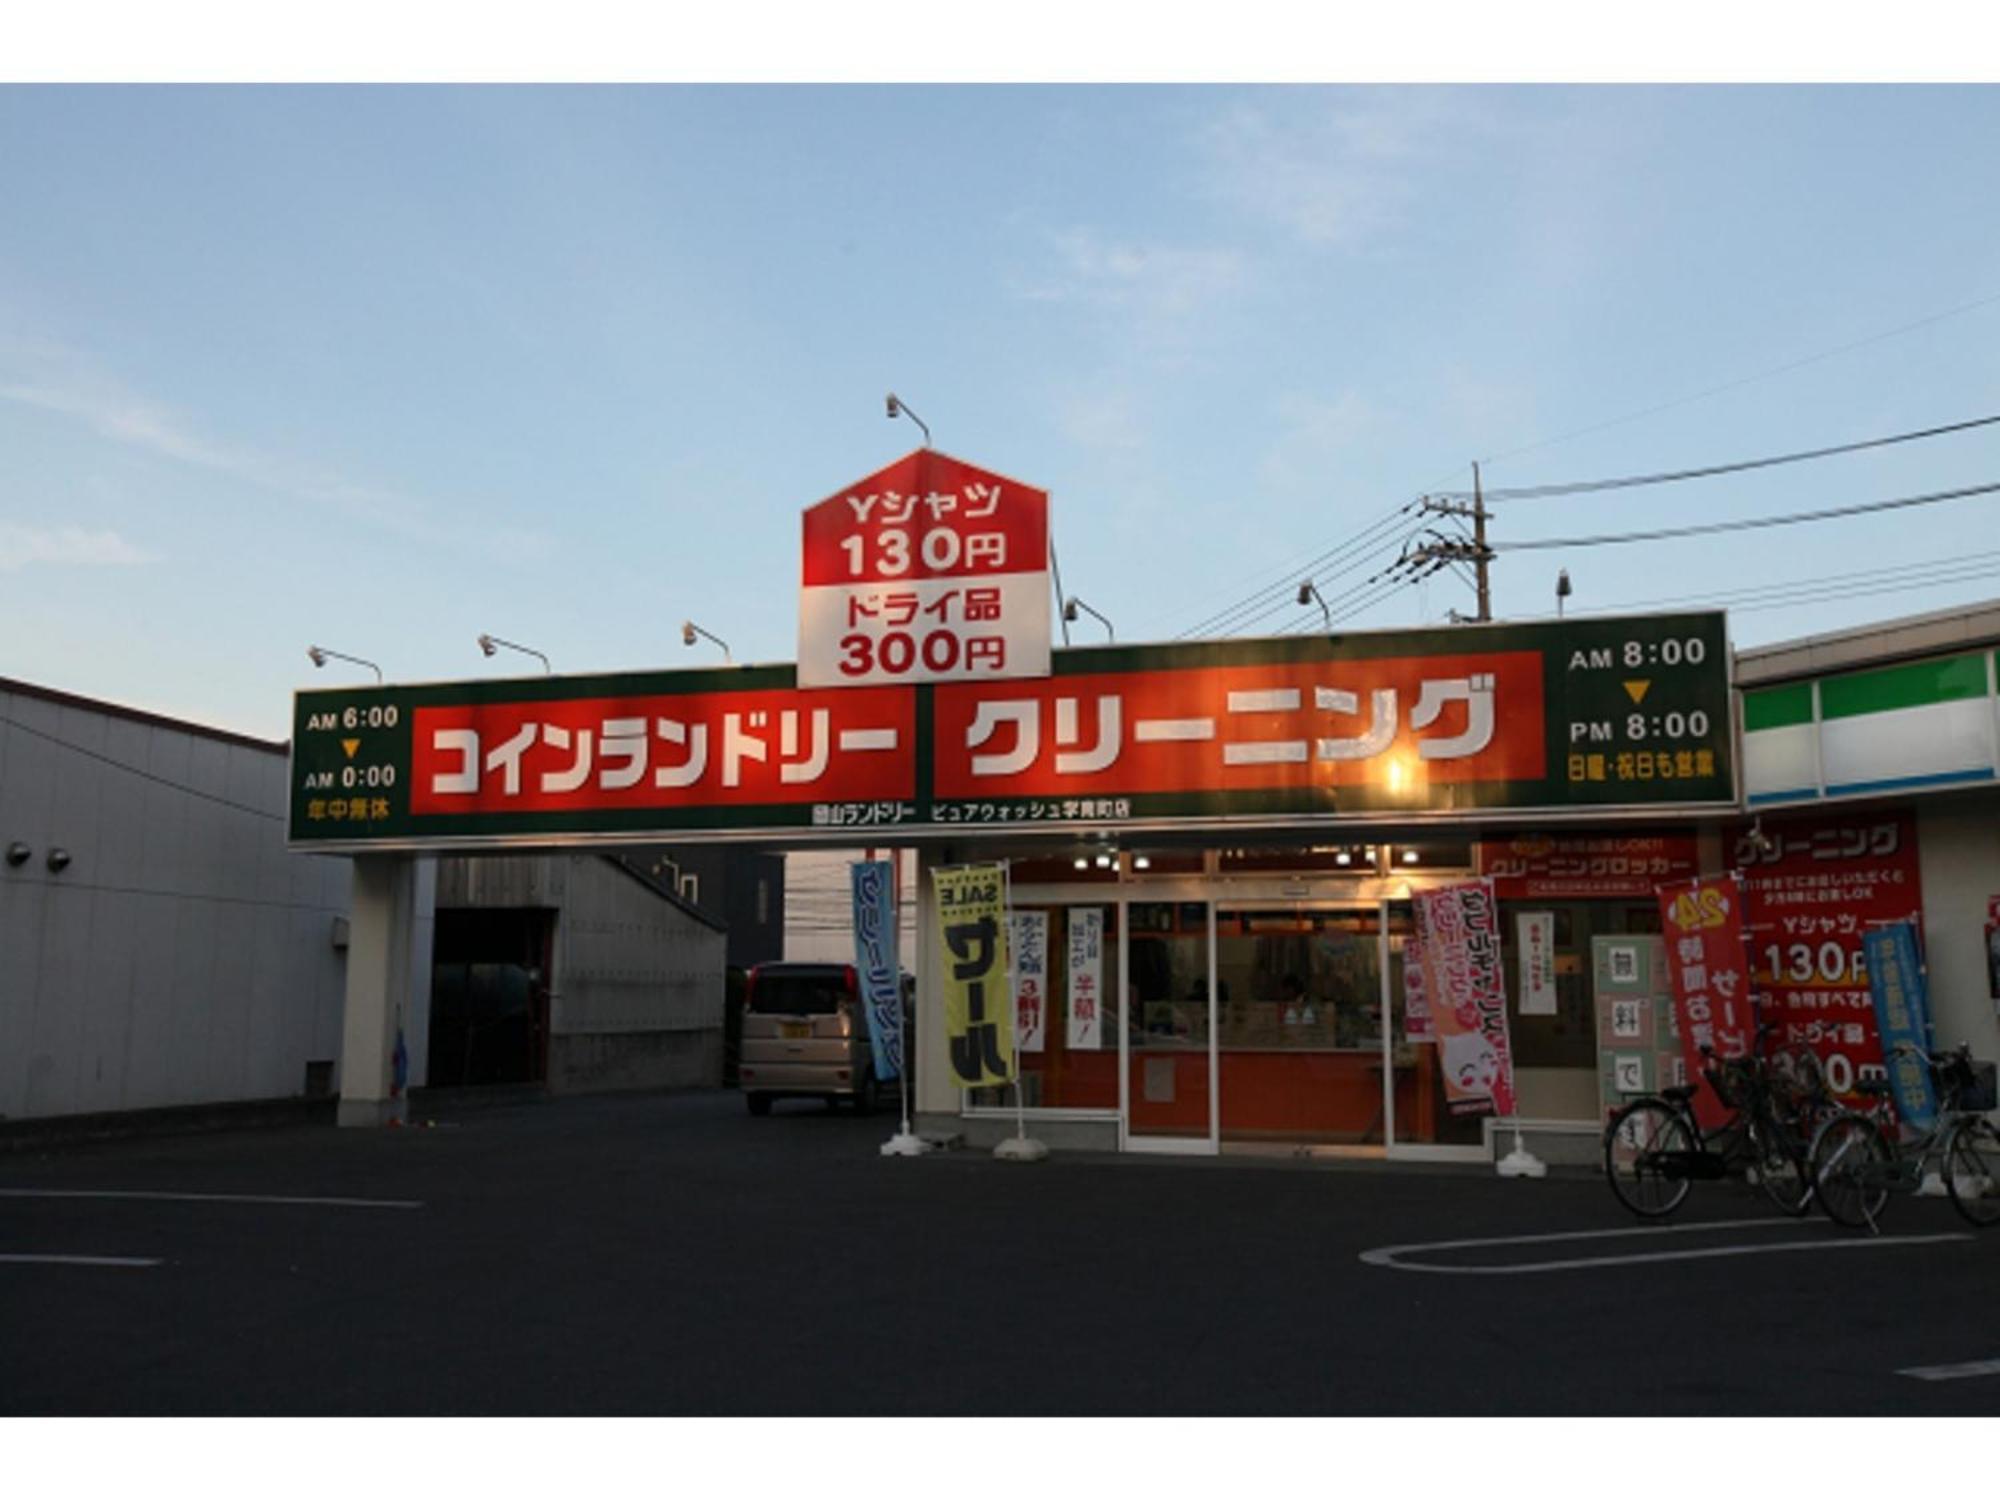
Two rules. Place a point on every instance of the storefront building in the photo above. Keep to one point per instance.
(1214, 849)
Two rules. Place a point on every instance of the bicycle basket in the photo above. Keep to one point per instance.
(1977, 1091)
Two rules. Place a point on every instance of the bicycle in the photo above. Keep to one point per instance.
(1856, 1164)
(1655, 1150)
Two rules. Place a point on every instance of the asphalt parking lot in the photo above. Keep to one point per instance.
(671, 1255)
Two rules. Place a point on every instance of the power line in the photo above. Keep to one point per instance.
(1934, 571)
(1592, 486)
(1262, 602)
(1752, 524)
(1731, 385)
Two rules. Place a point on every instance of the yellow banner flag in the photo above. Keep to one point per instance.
(978, 985)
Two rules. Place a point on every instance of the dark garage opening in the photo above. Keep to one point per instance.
(490, 997)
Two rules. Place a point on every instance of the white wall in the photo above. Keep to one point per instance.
(1958, 845)
(183, 957)
(819, 906)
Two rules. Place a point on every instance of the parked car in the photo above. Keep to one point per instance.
(805, 1036)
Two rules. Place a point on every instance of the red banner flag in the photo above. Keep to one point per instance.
(1703, 923)
(1466, 998)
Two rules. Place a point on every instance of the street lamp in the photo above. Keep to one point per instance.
(1309, 592)
(1073, 604)
(1562, 591)
(690, 630)
(491, 643)
(321, 656)
(900, 408)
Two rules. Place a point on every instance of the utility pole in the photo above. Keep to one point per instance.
(1482, 556)
(1441, 549)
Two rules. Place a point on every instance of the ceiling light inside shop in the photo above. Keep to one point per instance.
(1082, 863)
(1409, 856)
(1103, 861)
(1343, 858)
(1141, 862)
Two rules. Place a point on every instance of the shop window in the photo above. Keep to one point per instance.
(1332, 859)
(1071, 1069)
(1298, 981)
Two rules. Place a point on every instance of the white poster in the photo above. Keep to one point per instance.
(1537, 933)
(1086, 972)
(1031, 978)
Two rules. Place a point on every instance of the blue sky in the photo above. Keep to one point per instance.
(384, 368)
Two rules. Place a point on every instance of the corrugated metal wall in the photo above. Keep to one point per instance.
(183, 957)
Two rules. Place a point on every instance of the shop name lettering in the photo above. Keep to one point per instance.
(1854, 841)
(1024, 716)
(617, 754)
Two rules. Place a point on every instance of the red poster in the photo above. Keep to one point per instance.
(1466, 998)
(1558, 867)
(1403, 724)
(681, 750)
(1813, 888)
(1702, 921)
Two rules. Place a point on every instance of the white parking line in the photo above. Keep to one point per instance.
(1391, 1256)
(1953, 1372)
(126, 1261)
(212, 1198)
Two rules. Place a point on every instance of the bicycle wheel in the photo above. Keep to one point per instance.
(1780, 1160)
(1636, 1143)
(1972, 1171)
(1851, 1167)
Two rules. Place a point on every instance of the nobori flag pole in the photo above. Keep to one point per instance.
(1020, 1147)
(905, 1142)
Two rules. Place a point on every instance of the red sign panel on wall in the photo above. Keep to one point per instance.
(930, 570)
(1396, 723)
(1814, 888)
(1545, 867)
(690, 749)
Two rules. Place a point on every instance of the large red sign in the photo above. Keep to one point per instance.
(1567, 867)
(930, 570)
(1703, 924)
(1397, 723)
(684, 750)
(1814, 886)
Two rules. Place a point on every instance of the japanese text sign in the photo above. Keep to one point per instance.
(1902, 1014)
(1570, 867)
(1086, 973)
(1536, 939)
(972, 956)
(1278, 732)
(1813, 887)
(1702, 921)
(877, 963)
(1031, 978)
(927, 571)
(1466, 998)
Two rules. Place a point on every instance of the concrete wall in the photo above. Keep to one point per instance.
(637, 981)
(183, 957)
(1958, 844)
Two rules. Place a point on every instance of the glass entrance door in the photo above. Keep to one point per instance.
(1300, 1025)
(1170, 1026)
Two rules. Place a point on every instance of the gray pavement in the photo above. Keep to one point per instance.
(671, 1255)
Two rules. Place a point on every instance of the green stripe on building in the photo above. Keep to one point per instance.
(1947, 679)
(1777, 707)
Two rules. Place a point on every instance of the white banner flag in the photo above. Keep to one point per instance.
(1537, 933)
(1031, 978)
(1086, 964)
